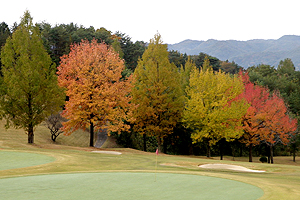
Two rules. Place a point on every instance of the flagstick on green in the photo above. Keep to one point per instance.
(156, 163)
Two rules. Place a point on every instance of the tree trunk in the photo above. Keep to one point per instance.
(221, 149)
(144, 140)
(164, 146)
(159, 144)
(30, 116)
(91, 134)
(294, 156)
(191, 151)
(250, 152)
(30, 134)
(53, 137)
(271, 154)
(208, 150)
(233, 152)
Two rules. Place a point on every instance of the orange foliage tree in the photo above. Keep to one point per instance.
(98, 97)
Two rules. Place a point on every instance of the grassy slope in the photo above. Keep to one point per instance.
(281, 181)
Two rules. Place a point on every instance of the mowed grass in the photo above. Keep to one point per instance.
(72, 155)
(124, 185)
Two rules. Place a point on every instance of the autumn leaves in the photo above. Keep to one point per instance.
(267, 120)
(152, 101)
(212, 109)
(91, 75)
(158, 96)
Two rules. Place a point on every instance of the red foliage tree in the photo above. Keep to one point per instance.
(277, 126)
(256, 96)
(267, 118)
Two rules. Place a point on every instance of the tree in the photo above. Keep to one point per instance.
(294, 145)
(117, 47)
(256, 96)
(230, 67)
(54, 124)
(177, 58)
(285, 79)
(103, 35)
(83, 33)
(212, 110)
(185, 73)
(199, 60)
(29, 85)
(157, 92)
(267, 119)
(4, 34)
(57, 39)
(286, 66)
(132, 51)
(91, 74)
(276, 125)
(289, 84)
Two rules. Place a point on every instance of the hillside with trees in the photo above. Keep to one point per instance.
(246, 53)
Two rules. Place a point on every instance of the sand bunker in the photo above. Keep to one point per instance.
(108, 152)
(230, 167)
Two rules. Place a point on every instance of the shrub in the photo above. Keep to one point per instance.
(263, 159)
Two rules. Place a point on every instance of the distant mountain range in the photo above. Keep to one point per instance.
(246, 53)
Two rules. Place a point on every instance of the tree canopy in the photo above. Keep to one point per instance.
(157, 92)
(91, 74)
(212, 110)
(285, 79)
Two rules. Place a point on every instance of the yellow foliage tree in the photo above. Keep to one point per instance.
(157, 93)
(185, 73)
(213, 110)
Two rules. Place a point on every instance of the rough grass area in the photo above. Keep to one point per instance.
(280, 181)
(18, 138)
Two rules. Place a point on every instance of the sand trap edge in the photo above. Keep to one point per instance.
(229, 167)
(108, 152)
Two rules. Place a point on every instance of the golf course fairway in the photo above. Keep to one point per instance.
(15, 159)
(125, 185)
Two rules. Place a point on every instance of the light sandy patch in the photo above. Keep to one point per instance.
(170, 165)
(230, 167)
(108, 152)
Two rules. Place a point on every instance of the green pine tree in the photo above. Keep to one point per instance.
(29, 84)
(157, 92)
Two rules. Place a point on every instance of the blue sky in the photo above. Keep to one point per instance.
(174, 20)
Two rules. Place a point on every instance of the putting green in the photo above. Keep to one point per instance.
(14, 159)
(124, 185)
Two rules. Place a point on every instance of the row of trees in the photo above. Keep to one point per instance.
(213, 105)
(57, 40)
(155, 100)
